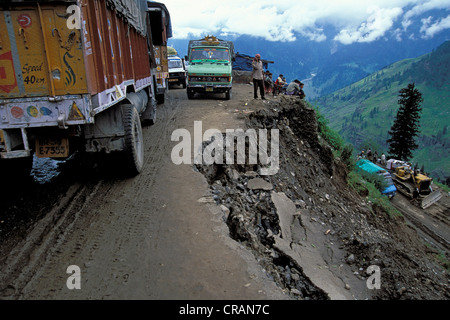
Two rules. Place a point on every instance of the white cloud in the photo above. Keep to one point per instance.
(429, 29)
(356, 20)
(423, 6)
(380, 21)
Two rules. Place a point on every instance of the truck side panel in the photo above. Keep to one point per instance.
(52, 75)
(116, 55)
(45, 55)
(55, 76)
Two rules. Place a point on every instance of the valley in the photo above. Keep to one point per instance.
(363, 112)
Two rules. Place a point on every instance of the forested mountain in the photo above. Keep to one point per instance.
(364, 112)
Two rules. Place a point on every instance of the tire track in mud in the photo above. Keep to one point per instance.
(23, 261)
(142, 238)
(77, 229)
(424, 228)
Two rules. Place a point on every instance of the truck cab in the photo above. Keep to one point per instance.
(210, 66)
(177, 71)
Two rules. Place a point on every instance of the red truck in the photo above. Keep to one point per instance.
(79, 76)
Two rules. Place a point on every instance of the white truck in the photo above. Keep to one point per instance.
(177, 71)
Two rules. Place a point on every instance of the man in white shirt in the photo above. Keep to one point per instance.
(258, 77)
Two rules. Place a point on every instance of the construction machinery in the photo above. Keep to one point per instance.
(415, 186)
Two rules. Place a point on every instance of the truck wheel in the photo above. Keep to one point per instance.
(184, 84)
(190, 94)
(17, 169)
(134, 141)
(228, 95)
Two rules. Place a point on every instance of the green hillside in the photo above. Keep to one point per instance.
(364, 112)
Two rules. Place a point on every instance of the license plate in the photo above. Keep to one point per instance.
(52, 147)
(209, 89)
(173, 80)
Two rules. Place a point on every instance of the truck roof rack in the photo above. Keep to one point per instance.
(213, 41)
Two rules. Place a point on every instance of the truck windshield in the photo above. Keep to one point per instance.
(210, 54)
(174, 64)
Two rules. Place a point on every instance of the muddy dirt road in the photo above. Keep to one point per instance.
(150, 237)
(433, 223)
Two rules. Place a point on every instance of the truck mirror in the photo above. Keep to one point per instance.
(186, 58)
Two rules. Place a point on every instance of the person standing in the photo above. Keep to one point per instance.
(383, 159)
(369, 154)
(258, 77)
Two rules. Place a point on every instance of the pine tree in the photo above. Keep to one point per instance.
(406, 126)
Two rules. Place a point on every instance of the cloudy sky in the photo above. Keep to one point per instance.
(275, 20)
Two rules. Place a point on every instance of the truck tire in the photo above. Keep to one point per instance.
(17, 169)
(190, 94)
(134, 140)
(184, 84)
(228, 95)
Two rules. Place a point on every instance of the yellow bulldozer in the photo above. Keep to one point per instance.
(415, 186)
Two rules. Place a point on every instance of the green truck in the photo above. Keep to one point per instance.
(210, 66)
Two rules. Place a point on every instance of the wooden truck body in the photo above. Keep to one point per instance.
(73, 76)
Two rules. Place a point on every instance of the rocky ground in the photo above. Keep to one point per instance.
(305, 222)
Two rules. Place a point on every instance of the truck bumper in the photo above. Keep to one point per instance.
(177, 80)
(45, 112)
(209, 88)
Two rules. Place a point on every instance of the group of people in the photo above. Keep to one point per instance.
(372, 156)
(264, 82)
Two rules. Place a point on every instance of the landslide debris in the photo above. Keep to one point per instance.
(311, 233)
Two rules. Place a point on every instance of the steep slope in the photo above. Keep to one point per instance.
(313, 234)
(364, 112)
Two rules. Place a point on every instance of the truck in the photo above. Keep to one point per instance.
(387, 188)
(210, 66)
(177, 71)
(77, 76)
(161, 26)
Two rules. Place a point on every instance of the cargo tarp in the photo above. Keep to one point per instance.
(135, 12)
(244, 62)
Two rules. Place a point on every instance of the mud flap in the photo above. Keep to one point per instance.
(431, 199)
(148, 117)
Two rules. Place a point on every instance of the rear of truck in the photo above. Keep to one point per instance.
(161, 31)
(67, 72)
(210, 66)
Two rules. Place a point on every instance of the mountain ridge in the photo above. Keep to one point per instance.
(363, 112)
(330, 64)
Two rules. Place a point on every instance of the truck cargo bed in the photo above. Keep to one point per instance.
(55, 74)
